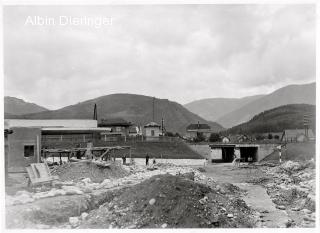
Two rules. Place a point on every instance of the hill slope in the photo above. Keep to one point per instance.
(277, 120)
(292, 94)
(134, 108)
(214, 108)
(14, 106)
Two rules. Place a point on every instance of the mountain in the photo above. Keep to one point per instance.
(213, 108)
(133, 108)
(14, 106)
(292, 94)
(277, 119)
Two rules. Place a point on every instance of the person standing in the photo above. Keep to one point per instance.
(147, 160)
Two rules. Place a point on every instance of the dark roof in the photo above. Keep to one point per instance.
(198, 126)
(113, 122)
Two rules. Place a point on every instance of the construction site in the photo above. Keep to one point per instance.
(69, 174)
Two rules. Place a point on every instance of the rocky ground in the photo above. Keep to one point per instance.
(292, 188)
(169, 196)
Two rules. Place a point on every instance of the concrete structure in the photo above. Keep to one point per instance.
(297, 135)
(24, 147)
(198, 130)
(152, 131)
(225, 152)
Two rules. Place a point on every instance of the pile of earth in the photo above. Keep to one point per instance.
(79, 170)
(167, 201)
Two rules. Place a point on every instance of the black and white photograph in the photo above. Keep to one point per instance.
(159, 116)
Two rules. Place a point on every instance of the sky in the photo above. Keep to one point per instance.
(177, 52)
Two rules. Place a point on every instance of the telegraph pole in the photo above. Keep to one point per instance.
(153, 108)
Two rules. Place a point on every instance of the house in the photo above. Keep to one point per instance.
(152, 131)
(198, 130)
(134, 131)
(119, 128)
(297, 135)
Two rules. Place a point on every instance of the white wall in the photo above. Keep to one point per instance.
(156, 131)
(51, 123)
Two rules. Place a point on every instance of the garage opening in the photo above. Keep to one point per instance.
(246, 152)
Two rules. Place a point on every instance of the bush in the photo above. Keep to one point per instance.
(214, 137)
(260, 137)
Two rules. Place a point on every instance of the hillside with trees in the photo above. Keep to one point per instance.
(277, 119)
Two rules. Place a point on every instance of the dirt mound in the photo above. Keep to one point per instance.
(170, 202)
(79, 170)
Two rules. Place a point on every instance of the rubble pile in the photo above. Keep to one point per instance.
(86, 185)
(79, 170)
(293, 189)
(168, 201)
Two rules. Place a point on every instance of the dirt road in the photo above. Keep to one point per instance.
(256, 195)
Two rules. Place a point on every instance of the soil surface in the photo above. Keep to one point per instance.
(171, 202)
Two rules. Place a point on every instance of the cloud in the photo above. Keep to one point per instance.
(179, 52)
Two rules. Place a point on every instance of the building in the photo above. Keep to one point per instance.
(152, 131)
(119, 129)
(28, 137)
(198, 130)
(297, 135)
(134, 131)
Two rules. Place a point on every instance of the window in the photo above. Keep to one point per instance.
(152, 132)
(118, 129)
(28, 150)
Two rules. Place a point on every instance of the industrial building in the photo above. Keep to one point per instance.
(28, 137)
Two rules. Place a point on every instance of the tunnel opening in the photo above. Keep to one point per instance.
(246, 152)
(227, 154)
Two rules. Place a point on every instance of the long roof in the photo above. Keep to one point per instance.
(292, 133)
(68, 123)
(198, 126)
(114, 122)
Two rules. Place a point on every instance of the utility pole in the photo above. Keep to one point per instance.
(306, 124)
(95, 114)
(162, 126)
(153, 108)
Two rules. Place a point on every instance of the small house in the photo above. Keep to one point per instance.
(152, 131)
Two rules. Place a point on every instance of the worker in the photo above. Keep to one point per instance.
(147, 159)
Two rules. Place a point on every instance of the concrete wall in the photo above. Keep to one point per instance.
(203, 150)
(72, 123)
(265, 149)
(16, 142)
